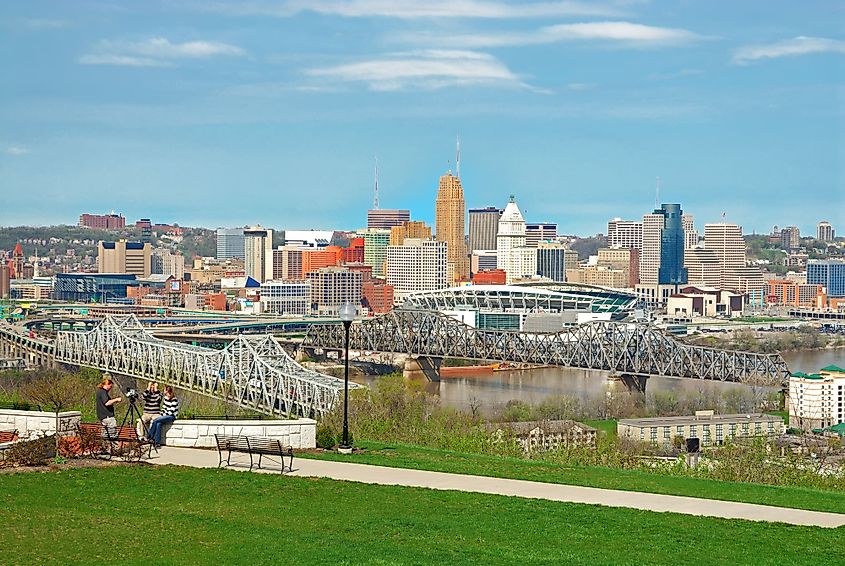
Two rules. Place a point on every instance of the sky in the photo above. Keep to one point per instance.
(214, 113)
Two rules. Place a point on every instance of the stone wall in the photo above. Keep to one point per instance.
(298, 433)
(34, 424)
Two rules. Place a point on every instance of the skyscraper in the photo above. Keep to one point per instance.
(672, 244)
(387, 218)
(553, 259)
(124, 257)
(830, 273)
(376, 241)
(258, 253)
(417, 265)
(790, 237)
(512, 255)
(536, 232)
(624, 234)
(690, 233)
(483, 226)
(449, 224)
(230, 243)
(412, 229)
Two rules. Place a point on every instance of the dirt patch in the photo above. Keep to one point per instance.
(70, 464)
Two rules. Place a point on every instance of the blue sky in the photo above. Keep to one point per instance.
(225, 113)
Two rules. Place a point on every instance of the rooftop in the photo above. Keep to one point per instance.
(663, 421)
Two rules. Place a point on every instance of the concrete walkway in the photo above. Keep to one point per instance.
(519, 488)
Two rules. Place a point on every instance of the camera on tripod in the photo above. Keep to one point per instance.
(132, 395)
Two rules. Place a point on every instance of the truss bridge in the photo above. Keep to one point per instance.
(253, 371)
(635, 351)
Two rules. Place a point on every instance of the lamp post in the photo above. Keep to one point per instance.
(346, 313)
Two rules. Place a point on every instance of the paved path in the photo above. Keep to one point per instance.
(520, 488)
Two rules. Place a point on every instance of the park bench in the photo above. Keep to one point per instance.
(253, 445)
(119, 441)
(7, 437)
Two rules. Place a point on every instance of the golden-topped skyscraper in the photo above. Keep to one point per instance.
(449, 225)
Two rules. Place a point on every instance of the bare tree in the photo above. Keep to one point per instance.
(57, 391)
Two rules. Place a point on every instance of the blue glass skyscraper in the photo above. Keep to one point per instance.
(830, 273)
(672, 270)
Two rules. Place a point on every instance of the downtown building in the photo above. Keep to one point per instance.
(624, 234)
(288, 298)
(554, 260)
(483, 227)
(376, 241)
(410, 229)
(165, 262)
(416, 266)
(662, 270)
(332, 287)
(387, 218)
(516, 259)
(258, 253)
(536, 232)
(230, 243)
(103, 221)
(825, 232)
(449, 225)
(133, 258)
(830, 273)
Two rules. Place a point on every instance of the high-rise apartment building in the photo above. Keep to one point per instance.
(553, 259)
(417, 265)
(825, 231)
(483, 226)
(830, 273)
(411, 229)
(165, 262)
(230, 243)
(332, 287)
(624, 234)
(449, 224)
(790, 238)
(103, 221)
(133, 258)
(387, 218)
(512, 255)
(258, 253)
(376, 241)
(536, 232)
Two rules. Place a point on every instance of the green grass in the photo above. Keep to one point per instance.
(422, 458)
(608, 426)
(170, 515)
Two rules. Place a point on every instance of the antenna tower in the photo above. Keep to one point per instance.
(657, 194)
(375, 184)
(458, 156)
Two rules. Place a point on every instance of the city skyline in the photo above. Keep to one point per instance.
(219, 116)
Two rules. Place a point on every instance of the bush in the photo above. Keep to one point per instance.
(326, 436)
(31, 452)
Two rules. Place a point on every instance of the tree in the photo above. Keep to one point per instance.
(57, 391)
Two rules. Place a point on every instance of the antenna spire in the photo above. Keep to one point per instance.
(657, 194)
(457, 155)
(375, 184)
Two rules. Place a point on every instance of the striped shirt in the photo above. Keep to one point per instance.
(171, 406)
(152, 402)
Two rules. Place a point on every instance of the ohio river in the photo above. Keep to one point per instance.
(493, 390)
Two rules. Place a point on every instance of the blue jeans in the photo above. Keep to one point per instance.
(154, 432)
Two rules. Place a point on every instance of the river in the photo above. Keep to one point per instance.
(493, 390)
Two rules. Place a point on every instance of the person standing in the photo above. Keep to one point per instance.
(169, 410)
(105, 407)
(152, 408)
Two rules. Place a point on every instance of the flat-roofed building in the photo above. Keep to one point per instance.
(624, 234)
(417, 265)
(410, 229)
(230, 243)
(711, 429)
(125, 257)
(825, 231)
(483, 226)
(286, 297)
(785, 292)
(332, 287)
(103, 221)
(626, 259)
(554, 259)
(387, 218)
(817, 400)
(536, 232)
(258, 253)
(703, 267)
(376, 241)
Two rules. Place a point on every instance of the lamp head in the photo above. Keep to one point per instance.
(347, 312)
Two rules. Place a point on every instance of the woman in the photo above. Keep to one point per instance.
(105, 408)
(169, 411)
(152, 408)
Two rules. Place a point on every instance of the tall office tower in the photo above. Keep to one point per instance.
(387, 218)
(790, 237)
(553, 259)
(626, 260)
(103, 221)
(483, 226)
(726, 241)
(512, 255)
(332, 287)
(125, 257)
(539, 232)
(5, 280)
(650, 248)
(690, 233)
(449, 224)
(417, 265)
(287, 263)
(165, 262)
(672, 244)
(258, 253)
(825, 231)
(703, 268)
(412, 229)
(624, 234)
(376, 241)
(230, 243)
(828, 272)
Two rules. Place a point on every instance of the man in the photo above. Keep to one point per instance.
(152, 408)
(105, 407)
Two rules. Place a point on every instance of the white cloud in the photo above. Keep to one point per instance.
(156, 52)
(412, 9)
(428, 69)
(41, 24)
(16, 150)
(790, 47)
(624, 33)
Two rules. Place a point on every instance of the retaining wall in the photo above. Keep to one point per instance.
(298, 433)
(35, 424)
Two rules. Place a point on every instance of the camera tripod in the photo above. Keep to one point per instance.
(133, 413)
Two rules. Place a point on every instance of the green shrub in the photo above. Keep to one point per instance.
(326, 436)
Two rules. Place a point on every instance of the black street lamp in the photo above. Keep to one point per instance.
(347, 315)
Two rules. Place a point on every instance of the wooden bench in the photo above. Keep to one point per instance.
(252, 445)
(119, 441)
(7, 437)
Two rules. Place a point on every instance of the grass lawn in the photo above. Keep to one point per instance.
(170, 515)
(422, 458)
(608, 426)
